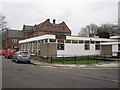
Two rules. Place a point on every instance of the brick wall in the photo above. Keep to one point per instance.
(10, 44)
(48, 28)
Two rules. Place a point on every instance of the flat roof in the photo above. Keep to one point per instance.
(110, 43)
(115, 37)
(47, 36)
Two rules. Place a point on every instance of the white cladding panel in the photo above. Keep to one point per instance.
(78, 50)
(114, 48)
(67, 38)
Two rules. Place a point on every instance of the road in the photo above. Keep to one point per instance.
(20, 75)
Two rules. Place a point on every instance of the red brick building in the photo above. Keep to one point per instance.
(46, 28)
(10, 39)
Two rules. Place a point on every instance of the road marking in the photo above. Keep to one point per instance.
(85, 75)
(79, 67)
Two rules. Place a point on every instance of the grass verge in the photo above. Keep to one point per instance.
(81, 62)
(84, 62)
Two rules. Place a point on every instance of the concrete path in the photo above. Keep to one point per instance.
(100, 65)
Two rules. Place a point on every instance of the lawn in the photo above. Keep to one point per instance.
(85, 62)
(80, 62)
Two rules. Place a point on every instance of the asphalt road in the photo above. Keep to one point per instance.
(20, 75)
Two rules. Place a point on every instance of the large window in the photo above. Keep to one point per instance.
(97, 47)
(52, 40)
(87, 47)
(60, 47)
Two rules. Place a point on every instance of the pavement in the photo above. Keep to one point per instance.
(113, 64)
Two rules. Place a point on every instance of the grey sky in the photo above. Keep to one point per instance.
(76, 13)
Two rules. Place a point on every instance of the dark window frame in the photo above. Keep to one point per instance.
(97, 46)
(60, 47)
(86, 46)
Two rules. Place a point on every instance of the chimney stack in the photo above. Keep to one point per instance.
(48, 20)
(53, 21)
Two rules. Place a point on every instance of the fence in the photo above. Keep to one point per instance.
(75, 59)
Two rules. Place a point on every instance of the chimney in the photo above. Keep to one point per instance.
(53, 21)
(48, 20)
(91, 35)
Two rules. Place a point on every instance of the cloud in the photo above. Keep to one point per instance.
(76, 13)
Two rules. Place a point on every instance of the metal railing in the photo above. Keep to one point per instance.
(75, 59)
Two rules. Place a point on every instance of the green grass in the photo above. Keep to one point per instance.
(84, 62)
(80, 62)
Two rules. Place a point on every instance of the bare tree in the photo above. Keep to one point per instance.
(83, 33)
(2, 23)
(93, 29)
(110, 28)
(89, 29)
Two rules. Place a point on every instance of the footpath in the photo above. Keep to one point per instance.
(113, 64)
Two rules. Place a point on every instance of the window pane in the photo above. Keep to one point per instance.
(41, 41)
(87, 47)
(60, 46)
(12, 50)
(52, 40)
(68, 41)
(74, 41)
(92, 42)
(98, 42)
(60, 41)
(46, 40)
(38, 46)
(87, 42)
(24, 53)
(97, 47)
(80, 41)
(118, 46)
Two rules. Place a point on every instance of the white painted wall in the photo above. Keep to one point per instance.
(78, 50)
(114, 48)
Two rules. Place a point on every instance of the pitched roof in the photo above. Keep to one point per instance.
(27, 27)
(56, 25)
(15, 34)
(37, 26)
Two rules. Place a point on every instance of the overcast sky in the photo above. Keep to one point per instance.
(76, 13)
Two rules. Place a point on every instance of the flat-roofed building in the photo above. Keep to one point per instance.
(59, 45)
(111, 48)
